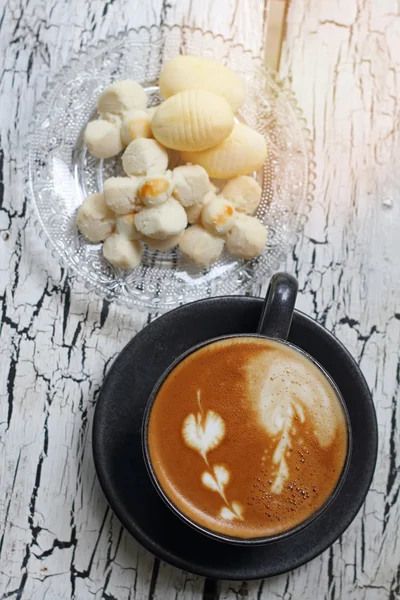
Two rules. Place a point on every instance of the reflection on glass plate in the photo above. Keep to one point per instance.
(62, 173)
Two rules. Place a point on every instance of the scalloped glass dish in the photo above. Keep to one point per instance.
(62, 173)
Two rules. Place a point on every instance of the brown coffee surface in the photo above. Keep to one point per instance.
(247, 437)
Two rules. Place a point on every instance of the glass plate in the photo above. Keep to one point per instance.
(62, 173)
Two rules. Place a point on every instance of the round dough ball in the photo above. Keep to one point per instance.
(191, 184)
(243, 152)
(122, 96)
(193, 120)
(244, 192)
(102, 139)
(160, 222)
(155, 189)
(247, 238)
(94, 219)
(200, 247)
(194, 212)
(121, 194)
(125, 225)
(121, 252)
(192, 72)
(135, 124)
(218, 216)
(167, 244)
(143, 156)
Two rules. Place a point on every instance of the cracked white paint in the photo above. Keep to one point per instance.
(58, 539)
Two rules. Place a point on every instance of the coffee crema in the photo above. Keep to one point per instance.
(247, 437)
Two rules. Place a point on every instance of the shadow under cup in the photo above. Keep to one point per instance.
(214, 478)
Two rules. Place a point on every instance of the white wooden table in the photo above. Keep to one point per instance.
(58, 538)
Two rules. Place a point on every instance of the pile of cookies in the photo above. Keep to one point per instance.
(171, 152)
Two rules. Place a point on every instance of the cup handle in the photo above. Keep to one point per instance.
(277, 312)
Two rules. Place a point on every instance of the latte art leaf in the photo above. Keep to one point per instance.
(222, 475)
(218, 480)
(203, 432)
(227, 513)
(235, 512)
(208, 480)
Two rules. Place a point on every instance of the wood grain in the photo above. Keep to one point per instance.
(58, 538)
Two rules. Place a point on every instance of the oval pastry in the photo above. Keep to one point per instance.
(195, 73)
(243, 152)
(192, 120)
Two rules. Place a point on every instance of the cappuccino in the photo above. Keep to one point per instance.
(247, 437)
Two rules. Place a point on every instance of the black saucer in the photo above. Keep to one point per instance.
(118, 452)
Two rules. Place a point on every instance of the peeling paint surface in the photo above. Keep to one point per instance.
(58, 538)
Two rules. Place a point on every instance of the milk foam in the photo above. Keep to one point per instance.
(291, 389)
(248, 441)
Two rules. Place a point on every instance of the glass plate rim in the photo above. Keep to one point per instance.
(91, 51)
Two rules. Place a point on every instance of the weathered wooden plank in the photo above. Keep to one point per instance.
(58, 539)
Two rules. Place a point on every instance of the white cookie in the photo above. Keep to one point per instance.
(200, 246)
(192, 72)
(102, 139)
(122, 96)
(125, 225)
(163, 221)
(121, 194)
(155, 189)
(95, 219)
(244, 192)
(193, 120)
(191, 184)
(121, 252)
(218, 216)
(243, 152)
(144, 156)
(247, 238)
(135, 124)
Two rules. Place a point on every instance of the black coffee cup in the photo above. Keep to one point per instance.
(274, 324)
